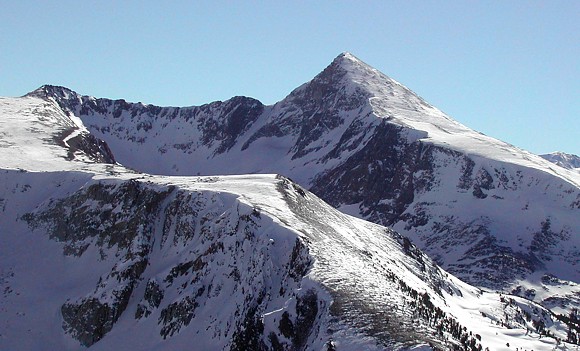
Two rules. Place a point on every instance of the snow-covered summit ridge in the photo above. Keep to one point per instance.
(489, 221)
(350, 75)
(389, 99)
(346, 92)
(371, 147)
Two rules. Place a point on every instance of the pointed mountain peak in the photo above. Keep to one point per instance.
(345, 71)
(47, 91)
(350, 80)
(351, 64)
(347, 57)
(351, 71)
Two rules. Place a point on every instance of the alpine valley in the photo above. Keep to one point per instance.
(352, 215)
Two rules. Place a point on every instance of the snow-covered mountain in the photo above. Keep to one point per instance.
(494, 215)
(96, 254)
(562, 159)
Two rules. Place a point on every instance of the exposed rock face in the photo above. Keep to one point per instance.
(562, 159)
(218, 258)
(131, 260)
(219, 123)
(384, 168)
(89, 320)
(119, 220)
(95, 149)
(371, 147)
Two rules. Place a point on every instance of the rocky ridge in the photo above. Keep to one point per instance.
(372, 148)
(562, 159)
(155, 262)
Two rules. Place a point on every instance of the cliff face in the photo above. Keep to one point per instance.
(171, 259)
(94, 254)
(231, 269)
(237, 263)
(488, 212)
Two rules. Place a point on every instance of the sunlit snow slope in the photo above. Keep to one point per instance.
(496, 216)
(95, 255)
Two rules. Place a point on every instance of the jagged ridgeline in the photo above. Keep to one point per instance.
(96, 252)
(491, 213)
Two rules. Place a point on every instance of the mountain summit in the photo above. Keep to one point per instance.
(348, 77)
(158, 227)
(487, 211)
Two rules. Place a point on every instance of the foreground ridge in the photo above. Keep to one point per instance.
(259, 262)
(372, 148)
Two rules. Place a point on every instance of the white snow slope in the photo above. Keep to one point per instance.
(95, 255)
(494, 215)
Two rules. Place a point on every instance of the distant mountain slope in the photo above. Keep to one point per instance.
(95, 255)
(565, 160)
(495, 215)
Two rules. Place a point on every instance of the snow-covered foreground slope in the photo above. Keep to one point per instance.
(494, 215)
(96, 255)
(232, 263)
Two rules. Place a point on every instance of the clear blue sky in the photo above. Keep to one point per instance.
(509, 69)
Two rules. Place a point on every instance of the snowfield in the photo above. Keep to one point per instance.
(494, 215)
(97, 255)
(356, 268)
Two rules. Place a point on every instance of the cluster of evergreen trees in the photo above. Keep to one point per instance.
(572, 320)
(444, 326)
